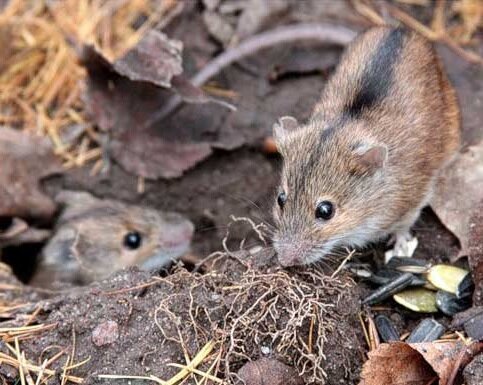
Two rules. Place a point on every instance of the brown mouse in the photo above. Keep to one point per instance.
(96, 237)
(366, 162)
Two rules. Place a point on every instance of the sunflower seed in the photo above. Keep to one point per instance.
(408, 265)
(427, 330)
(450, 304)
(389, 289)
(386, 329)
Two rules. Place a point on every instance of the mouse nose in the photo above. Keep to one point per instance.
(177, 235)
(290, 254)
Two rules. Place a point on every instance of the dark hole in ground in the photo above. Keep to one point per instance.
(5, 223)
(22, 259)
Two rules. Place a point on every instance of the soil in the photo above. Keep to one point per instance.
(126, 331)
(473, 373)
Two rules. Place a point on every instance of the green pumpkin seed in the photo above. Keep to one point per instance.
(418, 300)
(446, 277)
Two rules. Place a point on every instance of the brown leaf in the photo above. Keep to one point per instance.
(269, 371)
(416, 364)
(396, 363)
(25, 161)
(306, 61)
(144, 153)
(128, 108)
(460, 193)
(155, 59)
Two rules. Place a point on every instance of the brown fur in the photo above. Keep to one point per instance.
(416, 124)
(88, 243)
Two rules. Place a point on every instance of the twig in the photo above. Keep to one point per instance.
(322, 32)
(341, 266)
(199, 372)
(438, 36)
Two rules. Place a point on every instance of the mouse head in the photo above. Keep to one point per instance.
(95, 237)
(331, 180)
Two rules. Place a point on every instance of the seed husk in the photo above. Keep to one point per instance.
(365, 273)
(427, 330)
(389, 289)
(446, 277)
(419, 300)
(386, 329)
(450, 304)
(408, 265)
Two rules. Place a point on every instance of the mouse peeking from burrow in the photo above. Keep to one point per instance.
(96, 237)
(366, 162)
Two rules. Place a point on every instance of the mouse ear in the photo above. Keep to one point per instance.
(284, 125)
(369, 158)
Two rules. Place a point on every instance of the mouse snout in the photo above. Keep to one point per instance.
(177, 235)
(291, 253)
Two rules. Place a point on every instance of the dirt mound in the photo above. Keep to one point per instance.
(135, 324)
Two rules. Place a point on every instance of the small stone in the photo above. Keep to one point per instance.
(473, 373)
(105, 333)
(265, 350)
(269, 371)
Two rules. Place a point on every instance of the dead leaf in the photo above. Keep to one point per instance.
(396, 363)
(257, 14)
(127, 103)
(155, 59)
(460, 193)
(416, 364)
(145, 153)
(306, 61)
(25, 161)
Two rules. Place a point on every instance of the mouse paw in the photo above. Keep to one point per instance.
(404, 246)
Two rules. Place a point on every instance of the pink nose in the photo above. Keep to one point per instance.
(290, 255)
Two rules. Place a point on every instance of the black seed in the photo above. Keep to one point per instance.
(428, 330)
(386, 329)
(466, 287)
(449, 304)
(388, 290)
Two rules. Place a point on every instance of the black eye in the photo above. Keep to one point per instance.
(281, 199)
(324, 210)
(132, 240)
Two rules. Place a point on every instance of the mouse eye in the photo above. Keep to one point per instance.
(132, 240)
(281, 199)
(324, 210)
